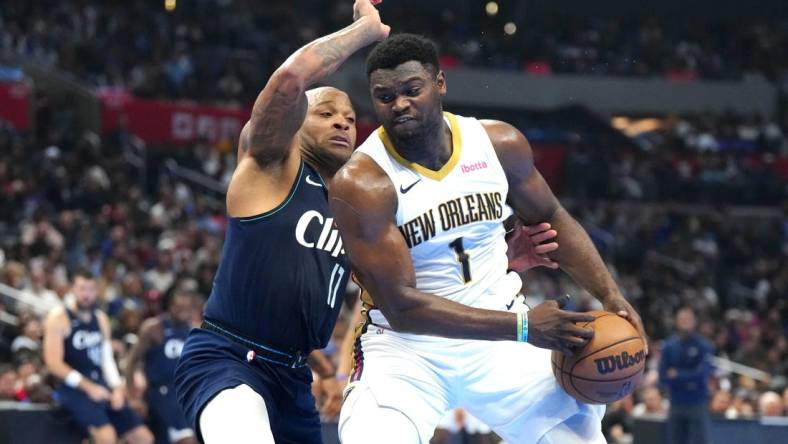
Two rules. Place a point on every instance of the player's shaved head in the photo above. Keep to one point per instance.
(323, 94)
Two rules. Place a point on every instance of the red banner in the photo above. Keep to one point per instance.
(162, 121)
(549, 159)
(15, 104)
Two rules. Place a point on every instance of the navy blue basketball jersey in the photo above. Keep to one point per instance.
(160, 361)
(83, 347)
(283, 273)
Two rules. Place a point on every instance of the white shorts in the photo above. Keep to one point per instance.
(507, 385)
(470, 423)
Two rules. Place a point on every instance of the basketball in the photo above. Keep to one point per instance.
(609, 367)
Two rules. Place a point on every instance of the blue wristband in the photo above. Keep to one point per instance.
(524, 333)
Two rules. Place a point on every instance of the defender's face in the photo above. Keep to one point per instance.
(407, 99)
(85, 292)
(181, 309)
(330, 124)
(685, 321)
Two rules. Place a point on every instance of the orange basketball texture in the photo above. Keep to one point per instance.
(609, 367)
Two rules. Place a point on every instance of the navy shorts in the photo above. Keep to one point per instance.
(165, 411)
(211, 363)
(88, 413)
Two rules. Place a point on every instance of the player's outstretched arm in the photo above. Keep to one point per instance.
(150, 334)
(363, 201)
(280, 108)
(534, 201)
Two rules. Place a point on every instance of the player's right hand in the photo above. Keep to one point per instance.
(553, 328)
(366, 8)
(97, 393)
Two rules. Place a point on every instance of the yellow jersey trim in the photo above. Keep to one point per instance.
(456, 142)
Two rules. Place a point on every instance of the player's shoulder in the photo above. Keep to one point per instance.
(360, 172)
(502, 134)
(151, 325)
(103, 318)
(57, 315)
(151, 329)
(705, 342)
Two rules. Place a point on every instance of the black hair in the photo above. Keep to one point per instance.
(401, 48)
(84, 273)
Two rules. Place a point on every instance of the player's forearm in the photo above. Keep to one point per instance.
(312, 63)
(320, 364)
(320, 58)
(579, 257)
(58, 369)
(427, 314)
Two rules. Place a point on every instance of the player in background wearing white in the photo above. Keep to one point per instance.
(420, 207)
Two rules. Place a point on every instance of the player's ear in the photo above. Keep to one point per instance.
(440, 80)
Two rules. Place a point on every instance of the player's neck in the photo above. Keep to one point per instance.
(431, 149)
(82, 313)
(326, 166)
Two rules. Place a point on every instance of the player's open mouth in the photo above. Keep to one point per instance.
(403, 119)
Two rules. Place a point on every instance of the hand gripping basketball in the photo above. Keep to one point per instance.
(609, 367)
(556, 329)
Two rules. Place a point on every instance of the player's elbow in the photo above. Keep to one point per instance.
(290, 80)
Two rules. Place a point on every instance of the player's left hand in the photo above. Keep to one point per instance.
(117, 399)
(620, 306)
(332, 398)
(528, 246)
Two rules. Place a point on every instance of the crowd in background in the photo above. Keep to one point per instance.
(73, 199)
(221, 50)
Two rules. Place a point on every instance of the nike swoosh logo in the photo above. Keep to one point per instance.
(404, 190)
(312, 182)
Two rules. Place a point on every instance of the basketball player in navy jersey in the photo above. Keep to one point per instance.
(420, 206)
(77, 351)
(243, 376)
(159, 346)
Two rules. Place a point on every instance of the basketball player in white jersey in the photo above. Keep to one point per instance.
(420, 207)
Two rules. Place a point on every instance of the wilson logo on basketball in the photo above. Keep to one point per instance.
(609, 364)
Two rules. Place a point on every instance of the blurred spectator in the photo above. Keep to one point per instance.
(460, 422)
(721, 405)
(616, 424)
(7, 383)
(770, 404)
(653, 404)
(30, 337)
(685, 370)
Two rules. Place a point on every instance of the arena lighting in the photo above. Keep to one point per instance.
(169, 5)
(634, 127)
(491, 8)
(509, 28)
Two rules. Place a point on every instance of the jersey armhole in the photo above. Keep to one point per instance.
(279, 207)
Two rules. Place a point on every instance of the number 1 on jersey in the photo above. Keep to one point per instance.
(463, 258)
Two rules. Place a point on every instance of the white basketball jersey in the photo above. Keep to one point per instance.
(452, 219)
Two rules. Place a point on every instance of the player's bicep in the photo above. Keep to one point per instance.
(529, 194)
(376, 249)
(532, 199)
(54, 332)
